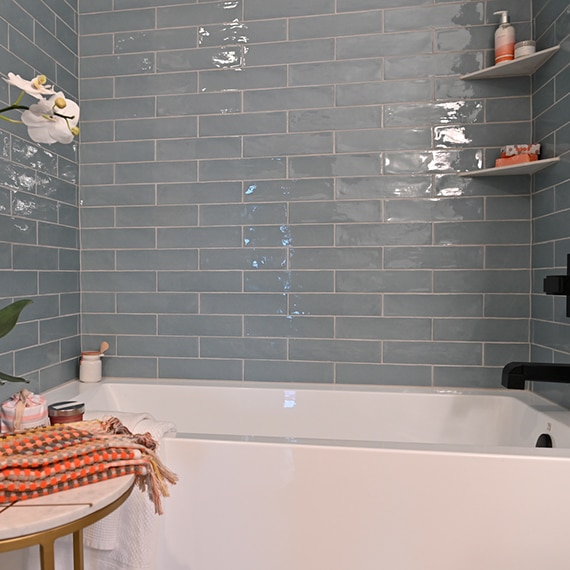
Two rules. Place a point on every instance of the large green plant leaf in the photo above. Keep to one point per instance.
(9, 315)
(7, 378)
(8, 318)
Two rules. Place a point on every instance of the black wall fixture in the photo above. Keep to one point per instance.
(559, 285)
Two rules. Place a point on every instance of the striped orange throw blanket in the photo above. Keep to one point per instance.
(45, 460)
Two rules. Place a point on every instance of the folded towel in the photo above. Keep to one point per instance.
(128, 538)
(46, 460)
(136, 422)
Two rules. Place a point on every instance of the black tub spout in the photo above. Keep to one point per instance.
(516, 373)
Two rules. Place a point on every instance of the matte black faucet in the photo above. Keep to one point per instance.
(516, 373)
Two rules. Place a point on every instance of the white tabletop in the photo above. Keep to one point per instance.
(43, 513)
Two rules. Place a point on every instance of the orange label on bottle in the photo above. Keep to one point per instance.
(505, 52)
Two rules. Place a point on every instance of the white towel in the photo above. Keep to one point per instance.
(128, 538)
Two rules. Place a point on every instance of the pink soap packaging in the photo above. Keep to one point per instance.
(23, 410)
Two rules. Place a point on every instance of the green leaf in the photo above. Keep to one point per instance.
(7, 378)
(9, 316)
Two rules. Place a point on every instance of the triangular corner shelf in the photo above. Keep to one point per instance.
(514, 170)
(525, 65)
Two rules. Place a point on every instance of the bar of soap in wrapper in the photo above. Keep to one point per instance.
(518, 159)
(23, 410)
(517, 154)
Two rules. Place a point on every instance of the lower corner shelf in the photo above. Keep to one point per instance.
(514, 170)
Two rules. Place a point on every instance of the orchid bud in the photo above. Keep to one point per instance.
(60, 102)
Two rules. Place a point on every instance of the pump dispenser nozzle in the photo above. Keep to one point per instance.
(504, 16)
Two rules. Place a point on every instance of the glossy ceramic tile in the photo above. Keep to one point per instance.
(335, 72)
(289, 281)
(466, 353)
(164, 84)
(263, 77)
(265, 9)
(319, 372)
(256, 349)
(433, 305)
(336, 25)
(335, 350)
(296, 235)
(442, 16)
(386, 328)
(384, 281)
(199, 281)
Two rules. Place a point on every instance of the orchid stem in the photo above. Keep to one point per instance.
(20, 97)
(14, 107)
(9, 120)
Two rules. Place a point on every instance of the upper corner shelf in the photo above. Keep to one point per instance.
(525, 65)
(524, 168)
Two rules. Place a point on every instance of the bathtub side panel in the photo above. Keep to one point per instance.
(246, 506)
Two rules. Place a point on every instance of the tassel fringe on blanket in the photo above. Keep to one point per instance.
(45, 460)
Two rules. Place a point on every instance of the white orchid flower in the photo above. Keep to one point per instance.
(49, 120)
(52, 120)
(36, 87)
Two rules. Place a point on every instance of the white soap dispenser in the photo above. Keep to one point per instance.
(504, 39)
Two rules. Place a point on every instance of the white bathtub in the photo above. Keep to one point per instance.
(298, 477)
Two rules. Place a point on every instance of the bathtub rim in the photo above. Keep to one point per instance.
(75, 388)
(536, 401)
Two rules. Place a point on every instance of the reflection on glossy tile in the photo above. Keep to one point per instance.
(254, 258)
(289, 281)
(446, 137)
(17, 177)
(34, 156)
(291, 190)
(473, 38)
(29, 206)
(335, 304)
(432, 161)
(429, 113)
(289, 235)
(235, 32)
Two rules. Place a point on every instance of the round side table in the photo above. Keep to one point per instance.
(43, 520)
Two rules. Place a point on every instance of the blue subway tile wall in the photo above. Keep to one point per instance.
(273, 187)
(550, 203)
(268, 183)
(39, 209)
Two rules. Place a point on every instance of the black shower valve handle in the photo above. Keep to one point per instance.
(559, 285)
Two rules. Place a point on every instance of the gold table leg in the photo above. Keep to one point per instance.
(47, 555)
(78, 549)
